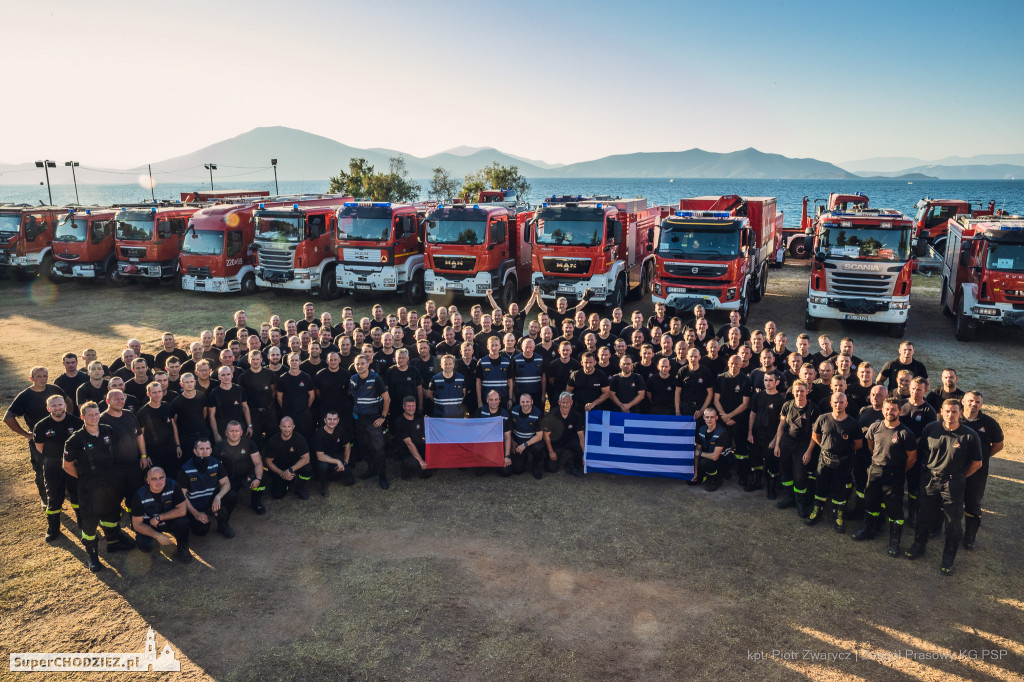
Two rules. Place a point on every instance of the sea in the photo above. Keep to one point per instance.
(883, 193)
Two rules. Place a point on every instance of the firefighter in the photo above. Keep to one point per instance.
(712, 444)
(409, 436)
(244, 464)
(371, 404)
(332, 447)
(447, 390)
(991, 435)
(494, 373)
(916, 414)
(765, 408)
(868, 415)
(732, 396)
(128, 446)
(526, 440)
(950, 454)
(839, 437)
(794, 448)
(89, 458)
(287, 458)
(49, 436)
(30, 405)
(159, 508)
(528, 373)
(205, 481)
(563, 436)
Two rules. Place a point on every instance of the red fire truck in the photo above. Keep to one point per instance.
(222, 195)
(217, 254)
(26, 236)
(147, 240)
(596, 243)
(84, 245)
(295, 247)
(470, 248)
(716, 251)
(983, 273)
(798, 241)
(862, 268)
(380, 248)
(933, 216)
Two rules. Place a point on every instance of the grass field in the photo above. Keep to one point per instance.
(460, 577)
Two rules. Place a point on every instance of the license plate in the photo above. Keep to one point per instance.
(133, 260)
(363, 287)
(863, 318)
(565, 290)
(454, 286)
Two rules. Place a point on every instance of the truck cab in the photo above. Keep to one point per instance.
(861, 269)
(933, 216)
(83, 244)
(983, 273)
(380, 248)
(295, 247)
(26, 238)
(470, 248)
(148, 240)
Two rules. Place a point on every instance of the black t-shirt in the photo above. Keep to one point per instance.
(767, 409)
(798, 421)
(334, 395)
(331, 444)
(125, 431)
(87, 392)
(412, 429)
(431, 366)
(259, 388)
(294, 391)
(70, 386)
(31, 405)
(157, 427)
(228, 405)
(894, 367)
(891, 444)
(628, 388)
(93, 456)
(868, 416)
(936, 397)
(237, 459)
(401, 383)
(916, 417)
(838, 438)
(986, 427)
(558, 374)
(160, 362)
(136, 390)
(663, 391)
(586, 388)
(731, 390)
(188, 414)
(627, 334)
(723, 333)
(694, 385)
(232, 333)
(563, 431)
(948, 453)
(285, 453)
(177, 497)
(53, 434)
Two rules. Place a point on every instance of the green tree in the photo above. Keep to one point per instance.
(363, 183)
(443, 186)
(472, 185)
(494, 176)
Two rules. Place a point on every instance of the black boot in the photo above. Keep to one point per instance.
(224, 528)
(382, 480)
(743, 472)
(300, 490)
(920, 543)
(92, 557)
(948, 557)
(324, 484)
(869, 529)
(971, 526)
(755, 482)
(838, 523)
(895, 533)
(803, 506)
(788, 499)
(814, 516)
(857, 513)
(256, 502)
(771, 491)
(184, 554)
(52, 527)
(368, 474)
(117, 541)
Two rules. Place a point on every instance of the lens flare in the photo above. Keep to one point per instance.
(42, 291)
(232, 220)
(146, 182)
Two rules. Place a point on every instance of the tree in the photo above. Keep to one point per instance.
(472, 185)
(363, 183)
(495, 176)
(443, 186)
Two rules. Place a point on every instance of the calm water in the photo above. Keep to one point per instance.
(1009, 194)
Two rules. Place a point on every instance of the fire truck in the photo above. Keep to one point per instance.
(295, 247)
(933, 215)
(26, 237)
(84, 245)
(983, 273)
(470, 248)
(798, 241)
(147, 240)
(217, 254)
(223, 195)
(380, 248)
(716, 251)
(593, 243)
(862, 268)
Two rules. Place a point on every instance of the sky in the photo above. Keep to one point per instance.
(119, 84)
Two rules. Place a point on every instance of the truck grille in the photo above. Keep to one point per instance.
(275, 259)
(853, 283)
(194, 271)
(133, 252)
(699, 271)
(67, 255)
(464, 263)
(568, 266)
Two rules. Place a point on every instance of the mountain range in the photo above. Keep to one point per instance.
(305, 156)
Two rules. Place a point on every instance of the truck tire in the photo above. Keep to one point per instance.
(328, 290)
(415, 291)
(798, 247)
(46, 269)
(744, 307)
(618, 296)
(113, 275)
(944, 298)
(897, 331)
(509, 292)
(922, 247)
(966, 329)
(249, 284)
(810, 323)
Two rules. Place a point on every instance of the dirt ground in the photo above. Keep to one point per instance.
(460, 577)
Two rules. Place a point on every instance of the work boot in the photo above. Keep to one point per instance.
(324, 484)
(743, 472)
(117, 541)
(537, 473)
(257, 502)
(912, 508)
(52, 527)
(368, 474)
(300, 490)
(225, 529)
(917, 548)
(184, 554)
(895, 533)
(857, 513)
(771, 489)
(383, 482)
(948, 557)
(814, 516)
(755, 482)
(971, 526)
(712, 484)
(868, 530)
(92, 558)
(838, 523)
(788, 499)
(802, 505)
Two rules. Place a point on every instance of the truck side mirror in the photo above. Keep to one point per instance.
(528, 229)
(617, 231)
(965, 257)
(650, 236)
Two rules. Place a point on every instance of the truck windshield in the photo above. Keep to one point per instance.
(678, 241)
(470, 231)
(569, 232)
(278, 228)
(138, 230)
(74, 230)
(203, 243)
(10, 224)
(1005, 257)
(867, 243)
(372, 229)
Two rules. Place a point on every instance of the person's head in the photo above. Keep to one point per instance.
(636, 318)
(493, 400)
(734, 317)
(659, 310)
(692, 358)
(287, 426)
(647, 354)
(735, 337)
(308, 311)
(589, 362)
(224, 375)
(275, 321)
(294, 343)
(448, 364)
(780, 340)
(203, 370)
(906, 352)
(240, 318)
(227, 357)
(972, 404)
(90, 414)
(770, 381)
(565, 401)
(218, 336)
(56, 406)
(274, 356)
(509, 342)
(918, 387)
(233, 431)
(800, 391)
(803, 344)
(950, 414)
(89, 356)
(362, 364)
(837, 383)
(156, 479)
(949, 379)
(140, 368)
(712, 348)
(826, 370)
(865, 373)
(667, 345)
(468, 334)
(275, 336)
(96, 370)
(701, 326)
(206, 338)
(744, 354)
(843, 364)
(767, 359)
(734, 363)
(879, 394)
(565, 350)
(625, 364)
(710, 418)
(526, 402)
(846, 346)
(387, 340)
(70, 361)
(115, 400)
(807, 373)
(619, 346)
(528, 347)
(770, 330)
(188, 382)
(903, 379)
(202, 448)
(890, 411)
(155, 392)
(493, 346)
(825, 344)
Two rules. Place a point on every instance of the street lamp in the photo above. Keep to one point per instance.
(210, 167)
(277, 192)
(73, 178)
(46, 166)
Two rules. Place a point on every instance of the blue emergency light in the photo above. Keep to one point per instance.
(295, 207)
(262, 207)
(703, 214)
(599, 205)
(88, 212)
(382, 204)
(350, 204)
(71, 210)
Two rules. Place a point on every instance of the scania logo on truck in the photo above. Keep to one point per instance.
(861, 266)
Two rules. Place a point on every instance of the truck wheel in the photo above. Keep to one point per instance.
(113, 275)
(896, 331)
(810, 323)
(509, 292)
(328, 285)
(744, 308)
(249, 284)
(46, 269)
(798, 247)
(966, 329)
(922, 247)
(415, 292)
(618, 295)
(944, 299)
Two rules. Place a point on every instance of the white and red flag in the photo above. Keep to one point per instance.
(455, 443)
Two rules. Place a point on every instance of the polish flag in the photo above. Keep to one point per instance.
(456, 443)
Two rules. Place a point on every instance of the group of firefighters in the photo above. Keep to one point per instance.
(176, 436)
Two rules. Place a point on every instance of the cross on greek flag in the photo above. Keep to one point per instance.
(639, 445)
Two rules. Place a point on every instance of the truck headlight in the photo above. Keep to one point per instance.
(819, 300)
(899, 305)
(730, 294)
(657, 288)
(978, 310)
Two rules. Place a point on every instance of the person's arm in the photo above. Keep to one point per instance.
(490, 299)
(778, 437)
(540, 301)
(196, 514)
(479, 390)
(537, 437)
(739, 410)
(142, 528)
(286, 475)
(212, 418)
(635, 401)
(714, 454)
(280, 399)
(996, 447)
(303, 461)
(718, 404)
(225, 486)
(973, 467)
(547, 444)
(419, 397)
(385, 407)
(176, 513)
(707, 403)
(605, 393)
(257, 463)
(70, 469)
(911, 460)
(312, 397)
(508, 447)
(750, 426)
(322, 456)
(14, 425)
(529, 304)
(140, 442)
(582, 304)
(248, 418)
(414, 452)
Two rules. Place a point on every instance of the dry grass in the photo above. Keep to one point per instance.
(482, 578)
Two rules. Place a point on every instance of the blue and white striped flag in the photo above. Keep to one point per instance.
(639, 445)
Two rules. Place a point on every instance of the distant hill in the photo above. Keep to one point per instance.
(881, 164)
(971, 172)
(980, 167)
(906, 176)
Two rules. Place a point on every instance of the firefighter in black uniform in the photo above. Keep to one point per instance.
(371, 403)
(260, 386)
(129, 447)
(49, 436)
(765, 408)
(205, 481)
(695, 386)
(89, 457)
(494, 373)
(30, 405)
(332, 449)
(950, 453)
(493, 407)
(794, 448)
(447, 390)
(916, 414)
(839, 436)
(244, 464)
(893, 449)
(868, 415)
(991, 435)
(527, 439)
(528, 373)
(563, 435)
(159, 508)
(287, 457)
(712, 444)
(732, 397)
(410, 440)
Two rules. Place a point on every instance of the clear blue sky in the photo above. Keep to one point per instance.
(121, 83)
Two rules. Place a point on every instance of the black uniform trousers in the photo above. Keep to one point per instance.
(99, 505)
(279, 487)
(941, 495)
(369, 441)
(795, 474)
(325, 471)
(38, 468)
(264, 424)
(831, 484)
(59, 486)
(536, 454)
(239, 483)
(176, 527)
(885, 485)
(974, 491)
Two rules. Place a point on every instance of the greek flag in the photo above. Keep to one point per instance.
(639, 445)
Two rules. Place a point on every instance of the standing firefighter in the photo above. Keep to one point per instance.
(50, 435)
(794, 448)
(30, 405)
(991, 435)
(839, 437)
